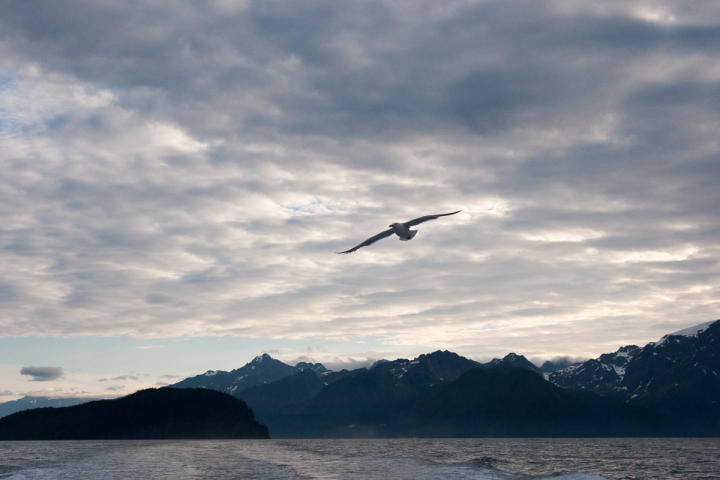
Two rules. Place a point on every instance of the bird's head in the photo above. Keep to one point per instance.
(393, 225)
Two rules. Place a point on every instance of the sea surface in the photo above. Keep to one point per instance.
(381, 459)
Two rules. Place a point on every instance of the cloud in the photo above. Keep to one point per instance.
(121, 377)
(42, 374)
(558, 362)
(338, 362)
(195, 178)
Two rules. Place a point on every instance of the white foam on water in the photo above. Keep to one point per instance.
(325, 466)
(576, 476)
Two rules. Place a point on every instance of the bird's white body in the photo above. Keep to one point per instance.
(403, 232)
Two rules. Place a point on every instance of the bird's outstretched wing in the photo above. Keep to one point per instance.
(370, 240)
(419, 220)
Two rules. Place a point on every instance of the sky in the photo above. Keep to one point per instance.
(177, 177)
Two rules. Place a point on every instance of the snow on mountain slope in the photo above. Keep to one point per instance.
(603, 375)
(687, 332)
(682, 371)
(261, 370)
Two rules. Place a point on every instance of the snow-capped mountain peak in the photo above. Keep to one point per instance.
(261, 358)
(680, 371)
(318, 368)
(513, 360)
(259, 371)
(693, 331)
(427, 369)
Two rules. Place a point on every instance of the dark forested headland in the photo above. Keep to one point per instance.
(151, 413)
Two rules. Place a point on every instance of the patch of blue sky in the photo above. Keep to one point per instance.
(182, 356)
(312, 207)
(7, 79)
(8, 125)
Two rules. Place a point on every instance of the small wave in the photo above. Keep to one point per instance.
(31, 474)
(485, 462)
(572, 476)
(7, 470)
(487, 467)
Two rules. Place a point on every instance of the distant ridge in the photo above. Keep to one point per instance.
(29, 402)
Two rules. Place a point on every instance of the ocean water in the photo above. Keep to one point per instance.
(381, 459)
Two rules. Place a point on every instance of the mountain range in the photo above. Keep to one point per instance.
(669, 387)
(444, 394)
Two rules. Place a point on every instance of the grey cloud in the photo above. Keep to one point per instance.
(559, 361)
(350, 363)
(158, 298)
(657, 97)
(121, 377)
(7, 292)
(42, 374)
(321, 124)
(410, 77)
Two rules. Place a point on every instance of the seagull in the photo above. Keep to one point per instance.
(402, 230)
